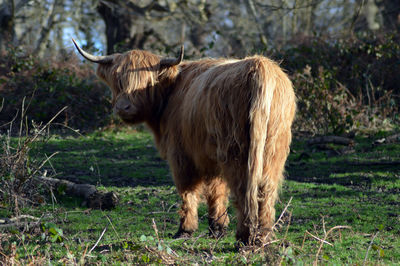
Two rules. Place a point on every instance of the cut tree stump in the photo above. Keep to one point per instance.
(92, 197)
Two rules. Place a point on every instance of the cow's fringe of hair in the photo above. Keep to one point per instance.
(130, 72)
(138, 75)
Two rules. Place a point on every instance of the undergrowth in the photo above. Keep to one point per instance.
(346, 85)
(49, 85)
(19, 186)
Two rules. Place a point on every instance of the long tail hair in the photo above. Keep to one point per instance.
(263, 87)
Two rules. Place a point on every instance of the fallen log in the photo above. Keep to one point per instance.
(92, 197)
(331, 139)
(391, 139)
(371, 163)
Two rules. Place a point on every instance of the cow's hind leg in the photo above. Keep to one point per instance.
(216, 192)
(266, 211)
(235, 175)
(268, 188)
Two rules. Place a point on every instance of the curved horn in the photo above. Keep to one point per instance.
(94, 58)
(169, 62)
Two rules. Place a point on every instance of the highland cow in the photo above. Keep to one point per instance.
(223, 125)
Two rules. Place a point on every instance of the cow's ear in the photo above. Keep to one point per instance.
(169, 62)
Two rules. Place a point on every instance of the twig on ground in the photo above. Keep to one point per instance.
(158, 239)
(155, 229)
(369, 247)
(323, 225)
(304, 240)
(98, 240)
(82, 260)
(115, 231)
(287, 227)
(218, 238)
(17, 218)
(44, 162)
(70, 128)
(325, 237)
(165, 257)
(319, 239)
(170, 207)
(280, 220)
(197, 238)
(15, 222)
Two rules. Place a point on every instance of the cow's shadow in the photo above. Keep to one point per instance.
(122, 162)
(116, 162)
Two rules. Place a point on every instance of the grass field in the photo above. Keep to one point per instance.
(344, 208)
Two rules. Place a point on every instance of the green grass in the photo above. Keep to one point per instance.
(326, 191)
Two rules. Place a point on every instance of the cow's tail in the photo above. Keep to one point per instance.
(262, 83)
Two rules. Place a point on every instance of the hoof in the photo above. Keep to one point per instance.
(259, 239)
(243, 238)
(217, 231)
(182, 234)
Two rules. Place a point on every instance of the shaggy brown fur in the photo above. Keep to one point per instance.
(220, 124)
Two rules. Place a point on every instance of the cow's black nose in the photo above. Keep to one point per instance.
(123, 106)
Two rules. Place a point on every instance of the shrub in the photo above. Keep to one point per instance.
(344, 84)
(49, 86)
(324, 105)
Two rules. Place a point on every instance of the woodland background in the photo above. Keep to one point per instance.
(343, 56)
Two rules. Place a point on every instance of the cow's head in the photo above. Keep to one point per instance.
(133, 78)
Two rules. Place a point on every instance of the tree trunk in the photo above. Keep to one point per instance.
(391, 14)
(7, 33)
(371, 11)
(47, 27)
(252, 10)
(125, 29)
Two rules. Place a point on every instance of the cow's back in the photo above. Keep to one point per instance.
(208, 110)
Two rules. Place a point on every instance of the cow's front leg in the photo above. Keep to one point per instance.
(189, 187)
(188, 213)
